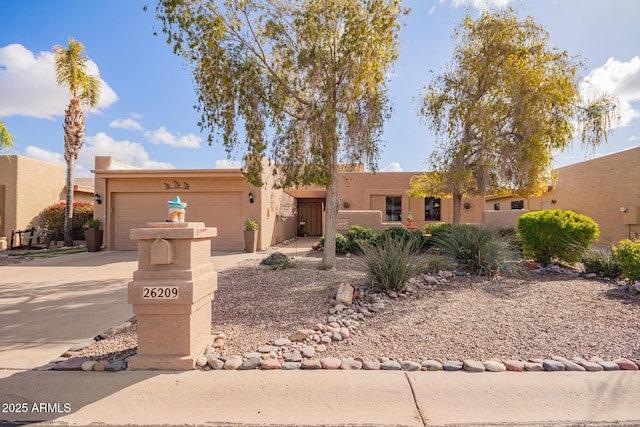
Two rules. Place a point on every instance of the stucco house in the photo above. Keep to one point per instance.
(224, 199)
(606, 188)
(28, 186)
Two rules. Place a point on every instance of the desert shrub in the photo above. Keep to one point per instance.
(54, 218)
(558, 235)
(435, 263)
(342, 244)
(358, 235)
(602, 261)
(628, 253)
(391, 261)
(432, 231)
(414, 236)
(479, 250)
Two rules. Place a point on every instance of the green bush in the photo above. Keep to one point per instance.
(431, 226)
(556, 235)
(391, 261)
(602, 261)
(358, 235)
(628, 253)
(479, 250)
(342, 244)
(54, 218)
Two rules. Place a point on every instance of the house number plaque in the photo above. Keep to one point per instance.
(160, 292)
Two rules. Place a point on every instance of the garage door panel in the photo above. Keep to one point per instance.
(222, 210)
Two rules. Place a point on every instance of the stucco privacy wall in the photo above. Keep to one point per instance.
(29, 187)
(218, 197)
(598, 188)
(368, 191)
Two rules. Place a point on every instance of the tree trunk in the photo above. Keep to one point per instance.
(331, 217)
(457, 202)
(68, 211)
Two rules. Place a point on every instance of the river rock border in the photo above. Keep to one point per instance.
(303, 349)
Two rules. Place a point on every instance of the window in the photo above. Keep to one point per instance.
(496, 206)
(394, 208)
(431, 209)
(517, 204)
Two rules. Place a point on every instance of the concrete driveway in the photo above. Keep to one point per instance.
(49, 305)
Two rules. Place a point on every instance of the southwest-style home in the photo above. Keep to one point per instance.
(606, 189)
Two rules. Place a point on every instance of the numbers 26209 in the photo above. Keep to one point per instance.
(160, 292)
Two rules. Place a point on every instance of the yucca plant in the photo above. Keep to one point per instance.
(391, 261)
(479, 250)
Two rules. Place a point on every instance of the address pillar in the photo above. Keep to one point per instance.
(171, 294)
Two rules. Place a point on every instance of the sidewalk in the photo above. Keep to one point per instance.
(50, 304)
(323, 398)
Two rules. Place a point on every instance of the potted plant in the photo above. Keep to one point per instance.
(93, 235)
(251, 236)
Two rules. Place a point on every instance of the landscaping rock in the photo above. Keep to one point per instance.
(408, 365)
(118, 365)
(390, 365)
(271, 363)
(514, 365)
(308, 351)
(431, 365)
(473, 366)
(249, 364)
(349, 364)
(568, 364)
(233, 364)
(533, 366)
(309, 364)
(72, 364)
(215, 363)
(494, 366)
(281, 342)
(299, 335)
(291, 366)
(371, 365)
(552, 365)
(626, 364)
(589, 366)
(88, 365)
(452, 365)
(330, 363)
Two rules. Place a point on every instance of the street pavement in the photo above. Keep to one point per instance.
(48, 305)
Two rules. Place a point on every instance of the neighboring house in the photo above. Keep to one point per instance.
(28, 187)
(223, 198)
(606, 189)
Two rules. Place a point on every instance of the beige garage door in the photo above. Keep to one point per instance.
(222, 210)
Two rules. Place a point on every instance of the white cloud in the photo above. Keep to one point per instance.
(163, 136)
(128, 124)
(479, 4)
(44, 155)
(633, 138)
(392, 167)
(132, 153)
(227, 164)
(28, 85)
(619, 79)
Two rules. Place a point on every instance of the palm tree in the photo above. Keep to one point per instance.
(6, 140)
(84, 88)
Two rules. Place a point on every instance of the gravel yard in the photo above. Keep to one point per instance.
(464, 318)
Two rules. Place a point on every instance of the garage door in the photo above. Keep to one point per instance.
(221, 209)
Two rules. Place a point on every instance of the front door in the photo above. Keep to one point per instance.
(310, 212)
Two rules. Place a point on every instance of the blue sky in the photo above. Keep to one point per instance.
(146, 116)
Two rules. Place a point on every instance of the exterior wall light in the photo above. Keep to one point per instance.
(97, 198)
(250, 197)
(624, 209)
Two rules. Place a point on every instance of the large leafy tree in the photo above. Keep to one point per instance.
(84, 88)
(306, 79)
(507, 102)
(6, 139)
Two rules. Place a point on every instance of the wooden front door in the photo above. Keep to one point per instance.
(311, 214)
